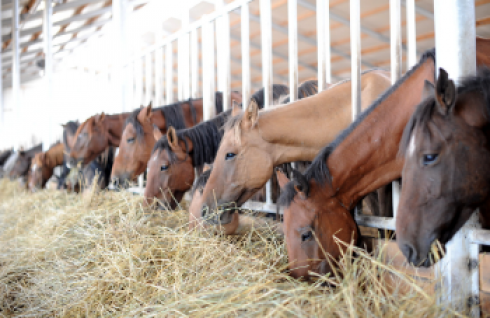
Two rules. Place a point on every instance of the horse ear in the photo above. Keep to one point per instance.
(99, 118)
(236, 110)
(157, 134)
(428, 90)
(282, 179)
(445, 92)
(251, 115)
(42, 156)
(144, 114)
(300, 184)
(172, 137)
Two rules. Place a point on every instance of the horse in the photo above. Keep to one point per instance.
(43, 165)
(445, 175)
(360, 160)
(9, 164)
(101, 166)
(137, 138)
(23, 161)
(94, 136)
(177, 155)
(254, 143)
(4, 156)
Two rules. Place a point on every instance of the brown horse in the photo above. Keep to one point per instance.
(255, 142)
(179, 153)
(337, 179)
(23, 161)
(446, 175)
(43, 165)
(94, 136)
(137, 138)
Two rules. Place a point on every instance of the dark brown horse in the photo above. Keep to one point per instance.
(446, 175)
(23, 161)
(179, 153)
(43, 164)
(137, 138)
(361, 159)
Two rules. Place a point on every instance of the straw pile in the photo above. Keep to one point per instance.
(104, 255)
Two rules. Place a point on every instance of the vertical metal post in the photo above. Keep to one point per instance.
(411, 34)
(2, 105)
(396, 71)
(266, 37)
(183, 58)
(455, 52)
(48, 66)
(120, 80)
(355, 47)
(224, 61)
(323, 40)
(169, 70)
(194, 64)
(158, 76)
(293, 48)
(16, 64)
(148, 80)
(245, 43)
(209, 86)
(139, 82)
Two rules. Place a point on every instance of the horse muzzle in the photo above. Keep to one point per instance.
(221, 216)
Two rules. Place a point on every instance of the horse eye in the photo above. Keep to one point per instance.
(306, 236)
(230, 156)
(429, 159)
(164, 168)
(130, 140)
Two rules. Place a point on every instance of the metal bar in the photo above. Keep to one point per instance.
(411, 34)
(194, 57)
(293, 48)
(158, 77)
(355, 47)
(48, 65)
(375, 221)
(169, 77)
(224, 66)
(138, 81)
(323, 40)
(2, 105)
(183, 57)
(119, 8)
(266, 39)
(245, 43)
(396, 72)
(419, 10)
(16, 63)
(148, 80)
(209, 87)
(455, 34)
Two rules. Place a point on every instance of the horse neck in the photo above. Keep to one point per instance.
(55, 154)
(115, 125)
(367, 158)
(288, 128)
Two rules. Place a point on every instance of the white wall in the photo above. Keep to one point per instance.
(76, 95)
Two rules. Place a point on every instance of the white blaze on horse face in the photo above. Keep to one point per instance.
(34, 167)
(155, 157)
(411, 146)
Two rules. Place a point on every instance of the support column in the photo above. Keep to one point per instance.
(223, 54)
(355, 48)
(16, 67)
(323, 40)
(245, 43)
(209, 86)
(455, 52)
(411, 34)
(48, 68)
(121, 80)
(293, 48)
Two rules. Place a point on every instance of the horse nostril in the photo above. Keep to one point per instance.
(410, 253)
(204, 211)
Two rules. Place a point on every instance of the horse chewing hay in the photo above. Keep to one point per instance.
(67, 255)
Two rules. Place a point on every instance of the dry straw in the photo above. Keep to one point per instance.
(102, 254)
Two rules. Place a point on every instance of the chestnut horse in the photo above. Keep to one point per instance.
(254, 143)
(446, 176)
(23, 161)
(179, 153)
(337, 179)
(43, 165)
(137, 138)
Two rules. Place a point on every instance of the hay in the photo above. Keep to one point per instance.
(104, 255)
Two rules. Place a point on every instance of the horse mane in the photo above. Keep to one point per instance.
(69, 128)
(318, 170)
(201, 181)
(278, 90)
(205, 137)
(4, 156)
(424, 111)
(305, 89)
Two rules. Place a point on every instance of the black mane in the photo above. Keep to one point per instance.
(318, 170)
(278, 90)
(71, 128)
(425, 110)
(201, 181)
(305, 89)
(205, 138)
